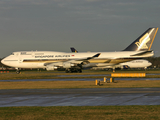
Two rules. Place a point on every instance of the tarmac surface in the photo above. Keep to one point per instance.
(80, 79)
(80, 97)
(77, 79)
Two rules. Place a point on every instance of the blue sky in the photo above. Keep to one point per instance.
(87, 25)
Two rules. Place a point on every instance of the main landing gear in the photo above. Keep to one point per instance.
(18, 71)
(71, 70)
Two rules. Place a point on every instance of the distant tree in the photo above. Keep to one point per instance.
(155, 61)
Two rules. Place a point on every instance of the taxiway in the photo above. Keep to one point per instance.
(80, 97)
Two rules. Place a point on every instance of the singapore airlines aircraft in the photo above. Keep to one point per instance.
(140, 63)
(74, 62)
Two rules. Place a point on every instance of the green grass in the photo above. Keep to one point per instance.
(78, 84)
(76, 112)
(81, 113)
(55, 74)
(72, 84)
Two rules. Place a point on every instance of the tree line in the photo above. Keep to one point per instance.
(155, 61)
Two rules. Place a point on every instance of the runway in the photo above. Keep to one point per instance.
(80, 97)
(77, 79)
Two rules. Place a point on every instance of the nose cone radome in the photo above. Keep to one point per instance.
(150, 64)
(3, 61)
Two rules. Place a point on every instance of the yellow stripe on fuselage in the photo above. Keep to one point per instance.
(44, 61)
(113, 61)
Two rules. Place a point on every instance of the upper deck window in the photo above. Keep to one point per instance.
(25, 53)
(39, 53)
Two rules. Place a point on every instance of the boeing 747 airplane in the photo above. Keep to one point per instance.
(74, 62)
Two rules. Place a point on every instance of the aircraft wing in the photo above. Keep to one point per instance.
(82, 60)
(88, 58)
(85, 60)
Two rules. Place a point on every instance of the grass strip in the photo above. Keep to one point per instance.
(78, 84)
(59, 75)
(81, 113)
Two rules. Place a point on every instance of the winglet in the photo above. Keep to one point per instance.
(96, 55)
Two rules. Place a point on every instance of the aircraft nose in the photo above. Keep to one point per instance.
(2, 61)
(150, 63)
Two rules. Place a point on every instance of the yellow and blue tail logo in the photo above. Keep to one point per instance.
(144, 42)
(73, 50)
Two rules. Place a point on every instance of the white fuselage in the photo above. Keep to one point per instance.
(37, 59)
(137, 64)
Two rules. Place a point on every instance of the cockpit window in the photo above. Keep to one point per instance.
(12, 54)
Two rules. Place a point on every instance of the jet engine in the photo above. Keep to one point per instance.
(68, 65)
(50, 67)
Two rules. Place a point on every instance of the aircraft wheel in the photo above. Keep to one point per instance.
(79, 71)
(68, 71)
(18, 72)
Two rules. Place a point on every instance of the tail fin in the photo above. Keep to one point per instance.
(73, 50)
(144, 42)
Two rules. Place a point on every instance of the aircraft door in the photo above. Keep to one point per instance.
(20, 60)
(19, 56)
(33, 54)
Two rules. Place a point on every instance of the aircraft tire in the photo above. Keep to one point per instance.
(79, 71)
(68, 71)
(18, 72)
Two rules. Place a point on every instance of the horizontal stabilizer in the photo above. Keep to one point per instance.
(142, 53)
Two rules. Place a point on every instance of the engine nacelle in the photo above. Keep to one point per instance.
(65, 65)
(68, 65)
(50, 67)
